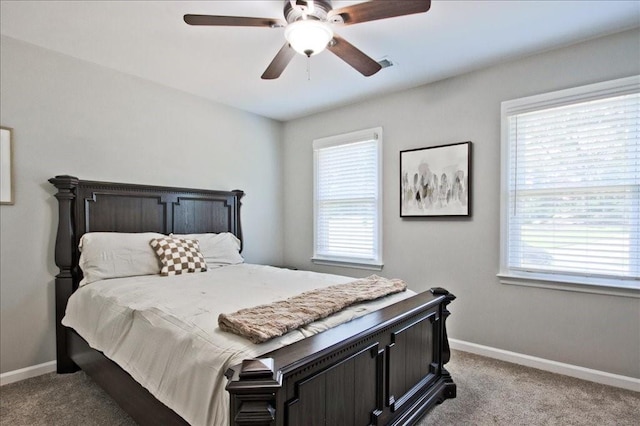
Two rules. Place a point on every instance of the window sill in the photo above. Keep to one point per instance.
(348, 263)
(557, 283)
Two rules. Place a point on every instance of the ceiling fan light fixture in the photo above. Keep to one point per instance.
(308, 37)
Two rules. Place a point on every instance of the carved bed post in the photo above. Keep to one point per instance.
(64, 255)
(253, 392)
(445, 351)
(239, 194)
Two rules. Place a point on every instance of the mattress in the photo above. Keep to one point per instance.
(164, 332)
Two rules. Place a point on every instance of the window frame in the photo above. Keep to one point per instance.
(345, 139)
(558, 281)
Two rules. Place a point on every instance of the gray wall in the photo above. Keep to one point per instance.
(594, 331)
(72, 117)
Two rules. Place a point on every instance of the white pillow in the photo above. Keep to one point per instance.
(217, 249)
(107, 255)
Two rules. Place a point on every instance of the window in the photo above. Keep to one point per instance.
(571, 188)
(348, 199)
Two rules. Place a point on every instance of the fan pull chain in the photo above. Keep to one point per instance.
(308, 68)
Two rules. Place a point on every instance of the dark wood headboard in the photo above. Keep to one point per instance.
(91, 206)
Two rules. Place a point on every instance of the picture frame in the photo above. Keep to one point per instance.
(6, 166)
(435, 181)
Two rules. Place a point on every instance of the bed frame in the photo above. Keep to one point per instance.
(383, 368)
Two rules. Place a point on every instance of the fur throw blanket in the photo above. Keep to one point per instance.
(265, 322)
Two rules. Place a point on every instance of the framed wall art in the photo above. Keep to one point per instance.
(6, 171)
(436, 181)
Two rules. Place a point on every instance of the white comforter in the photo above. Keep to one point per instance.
(164, 330)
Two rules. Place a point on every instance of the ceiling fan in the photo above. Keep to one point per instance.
(308, 29)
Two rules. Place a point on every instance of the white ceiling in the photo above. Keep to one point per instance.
(149, 39)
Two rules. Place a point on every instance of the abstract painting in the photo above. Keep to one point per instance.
(435, 181)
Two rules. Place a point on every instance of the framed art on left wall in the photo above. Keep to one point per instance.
(6, 166)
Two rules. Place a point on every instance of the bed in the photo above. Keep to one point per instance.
(385, 367)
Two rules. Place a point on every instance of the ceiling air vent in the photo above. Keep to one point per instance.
(385, 63)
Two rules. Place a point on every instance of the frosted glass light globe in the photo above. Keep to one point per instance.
(308, 37)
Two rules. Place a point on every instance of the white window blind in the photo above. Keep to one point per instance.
(347, 204)
(573, 185)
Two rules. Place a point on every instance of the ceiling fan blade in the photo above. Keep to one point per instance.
(353, 56)
(233, 21)
(378, 9)
(279, 63)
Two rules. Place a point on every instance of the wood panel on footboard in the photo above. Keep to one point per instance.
(384, 368)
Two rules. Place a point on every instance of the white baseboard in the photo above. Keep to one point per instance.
(27, 373)
(583, 373)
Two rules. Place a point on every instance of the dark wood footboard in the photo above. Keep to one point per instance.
(384, 368)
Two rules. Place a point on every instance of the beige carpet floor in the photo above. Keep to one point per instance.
(490, 392)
